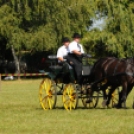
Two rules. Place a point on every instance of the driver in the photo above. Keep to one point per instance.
(76, 54)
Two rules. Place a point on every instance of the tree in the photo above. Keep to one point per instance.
(116, 38)
(40, 24)
(37, 25)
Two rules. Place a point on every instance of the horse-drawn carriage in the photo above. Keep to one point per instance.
(72, 91)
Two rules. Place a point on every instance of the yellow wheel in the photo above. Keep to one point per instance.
(70, 97)
(86, 95)
(47, 94)
(114, 97)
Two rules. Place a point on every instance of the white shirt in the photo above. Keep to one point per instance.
(62, 51)
(75, 46)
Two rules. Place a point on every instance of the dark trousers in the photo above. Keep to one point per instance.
(64, 74)
(76, 63)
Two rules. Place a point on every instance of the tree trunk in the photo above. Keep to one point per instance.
(16, 61)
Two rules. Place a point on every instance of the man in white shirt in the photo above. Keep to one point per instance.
(75, 47)
(76, 54)
(63, 50)
(61, 53)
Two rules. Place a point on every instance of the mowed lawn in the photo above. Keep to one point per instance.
(20, 113)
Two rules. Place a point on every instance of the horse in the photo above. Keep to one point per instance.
(116, 72)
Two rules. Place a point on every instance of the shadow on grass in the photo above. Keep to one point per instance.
(83, 108)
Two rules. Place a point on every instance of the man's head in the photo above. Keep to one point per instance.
(76, 37)
(65, 41)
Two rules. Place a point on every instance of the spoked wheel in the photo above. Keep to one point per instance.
(86, 95)
(70, 97)
(47, 94)
(114, 97)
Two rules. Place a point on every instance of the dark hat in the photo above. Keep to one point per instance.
(76, 35)
(65, 39)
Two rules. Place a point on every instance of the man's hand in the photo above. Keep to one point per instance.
(64, 61)
(83, 55)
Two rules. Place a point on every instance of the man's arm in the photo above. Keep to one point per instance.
(60, 59)
(59, 55)
(77, 52)
(73, 49)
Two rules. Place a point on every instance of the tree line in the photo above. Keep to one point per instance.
(39, 25)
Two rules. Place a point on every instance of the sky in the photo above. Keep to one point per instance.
(97, 23)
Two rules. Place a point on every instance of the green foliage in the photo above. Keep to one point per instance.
(117, 38)
(37, 25)
(40, 24)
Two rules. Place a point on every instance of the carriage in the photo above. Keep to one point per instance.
(71, 92)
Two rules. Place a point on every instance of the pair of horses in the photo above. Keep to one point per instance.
(115, 72)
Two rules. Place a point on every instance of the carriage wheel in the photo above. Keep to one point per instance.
(70, 97)
(85, 96)
(47, 94)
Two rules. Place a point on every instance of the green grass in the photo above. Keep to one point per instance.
(20, 113)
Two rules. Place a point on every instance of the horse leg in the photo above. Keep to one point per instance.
(94, 86)
(104, 90)
(89, 93)
(122, 95)
(129, 89)
(110, 94)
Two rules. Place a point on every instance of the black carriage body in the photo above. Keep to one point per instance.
(56, 71)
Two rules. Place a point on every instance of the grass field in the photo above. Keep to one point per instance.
(20, 113)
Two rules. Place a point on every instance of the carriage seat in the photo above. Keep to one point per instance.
(52, 57)
(54, 63)
(86, 70)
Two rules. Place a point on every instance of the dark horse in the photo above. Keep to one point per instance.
(115, 72)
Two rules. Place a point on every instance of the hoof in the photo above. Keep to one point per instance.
(118, 106)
